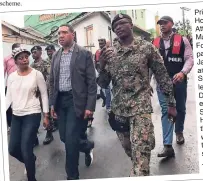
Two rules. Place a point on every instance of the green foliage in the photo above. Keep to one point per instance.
(180, 28)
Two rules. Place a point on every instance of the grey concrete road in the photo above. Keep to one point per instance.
(109, 157)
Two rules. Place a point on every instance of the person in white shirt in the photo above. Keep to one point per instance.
(23, 89)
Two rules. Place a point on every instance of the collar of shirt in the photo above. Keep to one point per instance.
(71, 49)
(167, 38)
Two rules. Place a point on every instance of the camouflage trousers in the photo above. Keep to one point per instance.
(138, 143)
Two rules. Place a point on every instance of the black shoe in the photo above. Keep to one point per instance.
(36, 142)
(48, 139)
(89, 158)
(89, 153)
(70, 178)
(168, 151)
(180, 138)
(104, 104)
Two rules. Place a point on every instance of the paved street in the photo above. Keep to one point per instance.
(109, 157)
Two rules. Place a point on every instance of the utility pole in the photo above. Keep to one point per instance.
(183, 14)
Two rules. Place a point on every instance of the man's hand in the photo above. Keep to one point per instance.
(172, 113)
(46, 122)
(88, 114)
(105, 55)
(53, 113)
(178, 77)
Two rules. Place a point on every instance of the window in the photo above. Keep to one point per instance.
(89, 35)
(133, 15)
(142, 14)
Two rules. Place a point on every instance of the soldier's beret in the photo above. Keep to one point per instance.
(39, 48)
(50, 47)
(119, 17)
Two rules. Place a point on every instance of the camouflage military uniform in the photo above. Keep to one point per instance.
(44, 67)
(129, 70)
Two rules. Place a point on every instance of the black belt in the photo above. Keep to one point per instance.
(65, 93)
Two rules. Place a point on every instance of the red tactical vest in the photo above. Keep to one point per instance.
(174, 60)
(176, 43)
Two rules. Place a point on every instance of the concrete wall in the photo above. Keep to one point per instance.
(140, 20)
(137, 18)
(104, 28)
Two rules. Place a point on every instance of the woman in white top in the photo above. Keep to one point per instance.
(24, 87)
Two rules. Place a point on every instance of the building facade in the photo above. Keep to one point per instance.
(45, 22)
(88, 26)
(139, 21)
(12, 34)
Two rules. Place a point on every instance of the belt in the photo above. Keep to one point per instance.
(64, 93)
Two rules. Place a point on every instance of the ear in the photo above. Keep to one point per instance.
(131, 25)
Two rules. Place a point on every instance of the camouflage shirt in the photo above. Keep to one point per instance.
(44, 67)
(129, 72)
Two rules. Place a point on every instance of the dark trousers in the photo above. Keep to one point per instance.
(103, 96)
(22, 138)
(71, 129)
(8, 114)
(180, 90)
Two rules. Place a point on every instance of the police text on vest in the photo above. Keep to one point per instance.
(175, 59)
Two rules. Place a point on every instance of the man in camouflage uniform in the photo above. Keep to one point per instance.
(127, 64)
(44, 67)
(50, 49)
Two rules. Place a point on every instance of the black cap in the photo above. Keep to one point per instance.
(39, 48)
(165, 18)
(50, 47)
(119, 17)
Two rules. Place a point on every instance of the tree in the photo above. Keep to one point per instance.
(152, 31)
(180, 28)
